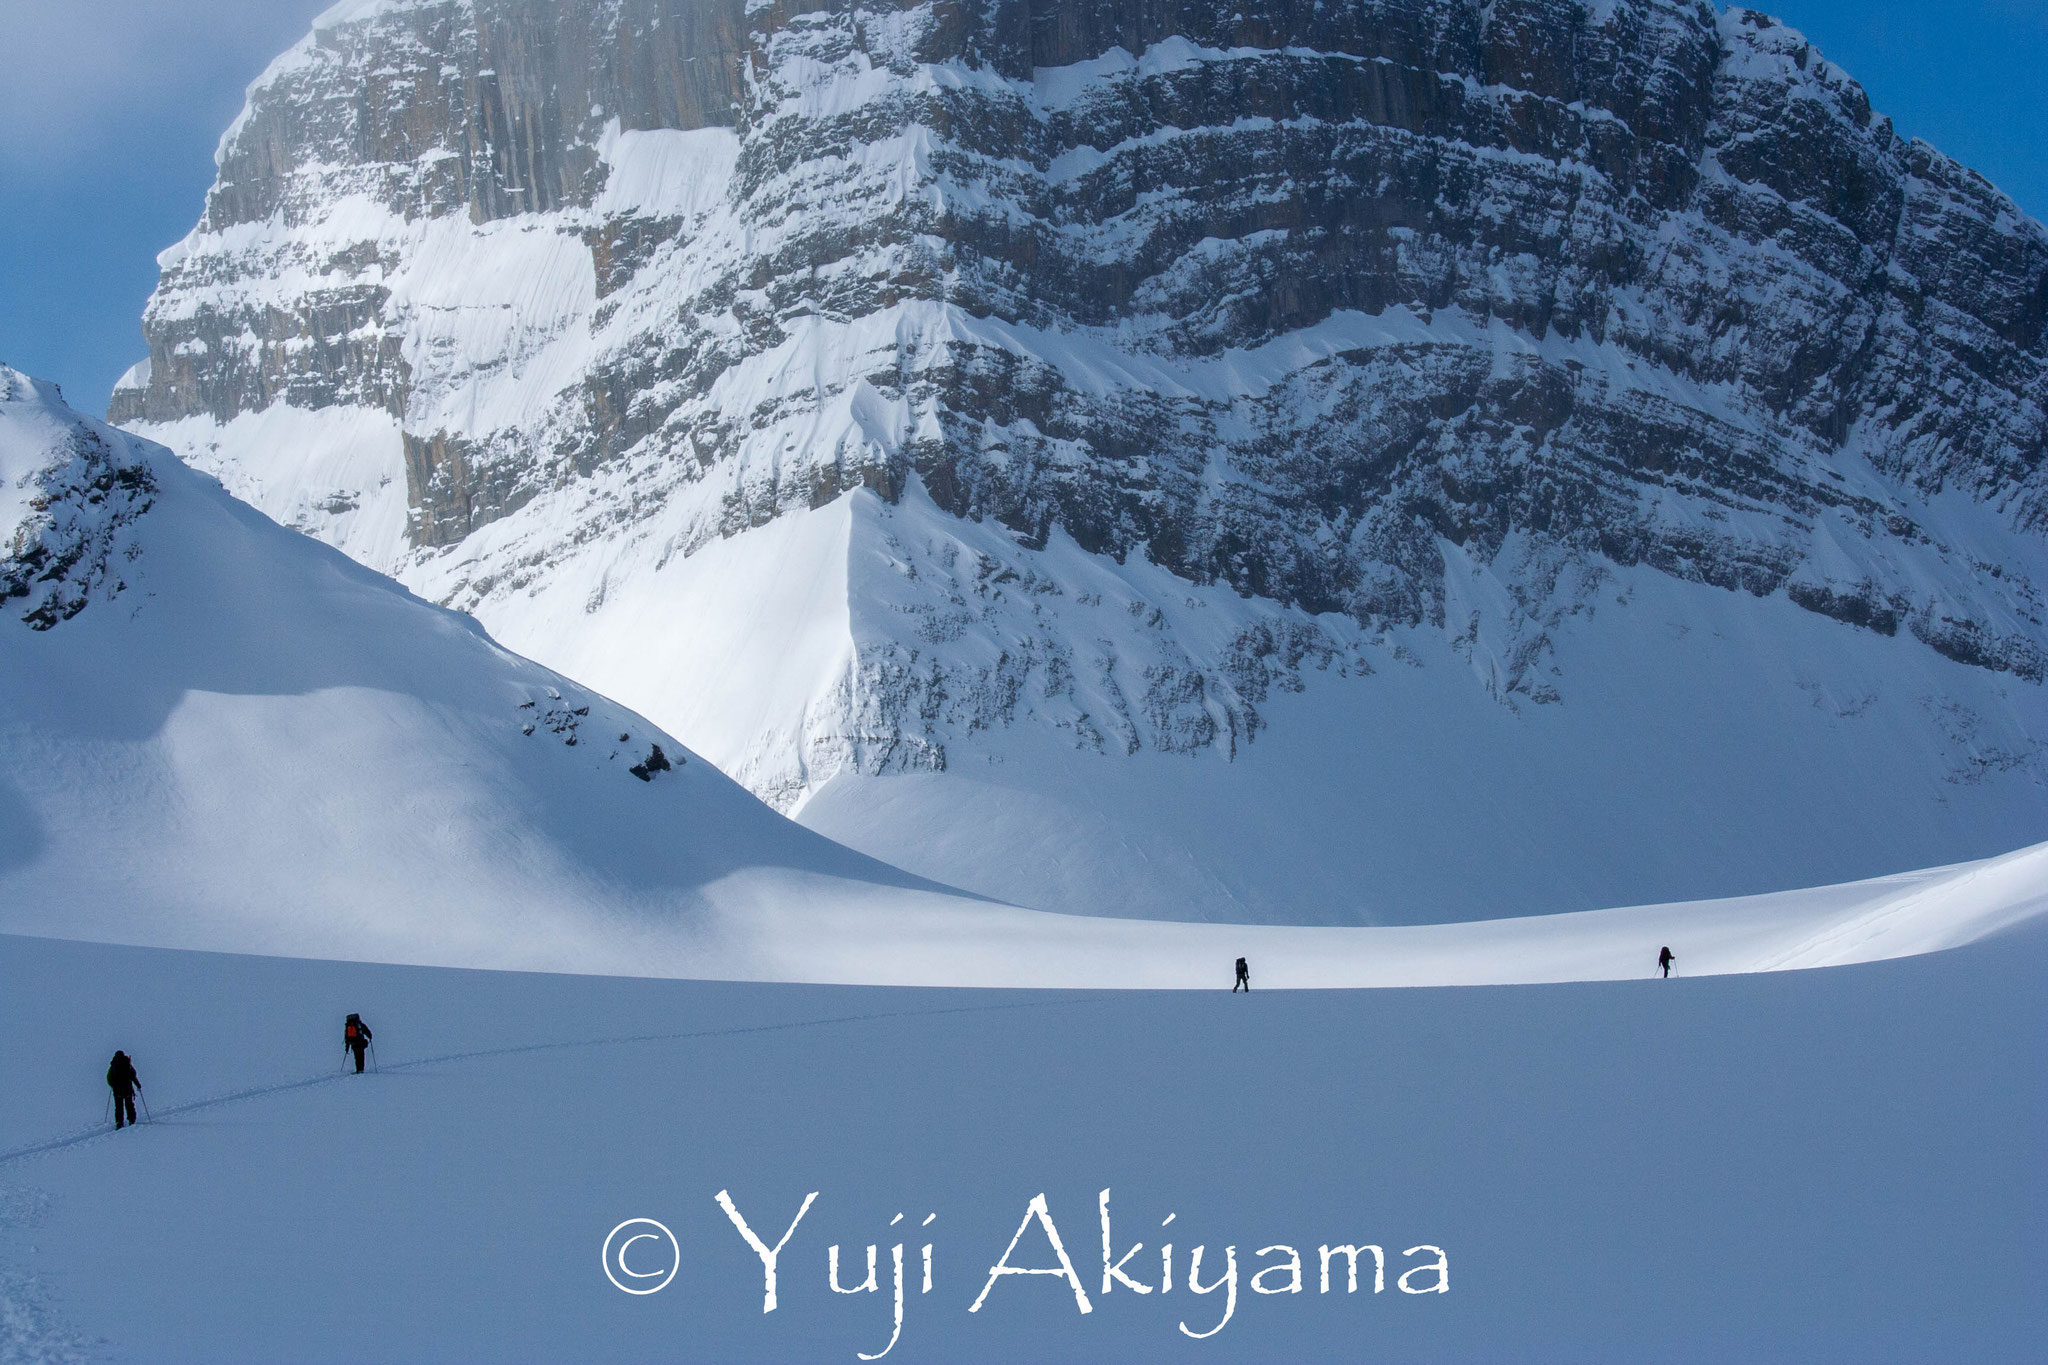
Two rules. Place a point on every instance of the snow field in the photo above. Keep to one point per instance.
(1799, 1166)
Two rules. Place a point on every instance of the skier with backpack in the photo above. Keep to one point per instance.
(1244, 978)
(1665, 959)
(355, 1036)
(123, 1081)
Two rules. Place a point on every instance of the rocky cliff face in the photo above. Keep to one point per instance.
(69, 501)
(1324, 308)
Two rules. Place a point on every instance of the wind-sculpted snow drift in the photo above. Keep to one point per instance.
(1391, 461)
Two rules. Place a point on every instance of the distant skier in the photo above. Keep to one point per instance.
(355, 1036)
(1665, 959)
(123, 1081)
(1244, 978)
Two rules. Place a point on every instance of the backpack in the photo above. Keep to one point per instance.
(351, 1032)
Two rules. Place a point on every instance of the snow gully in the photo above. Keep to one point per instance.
(1037, 1249)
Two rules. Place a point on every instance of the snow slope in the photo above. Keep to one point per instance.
(937, 943)
(1028, 724)
(1838, 1165)
(225, 734)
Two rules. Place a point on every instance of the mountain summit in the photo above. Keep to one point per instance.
(1395, 460)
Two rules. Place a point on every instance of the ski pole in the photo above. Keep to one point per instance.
(145, 1101)
(374, 1066)
(108, 1113)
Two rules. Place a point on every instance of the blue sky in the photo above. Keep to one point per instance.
(111, 109)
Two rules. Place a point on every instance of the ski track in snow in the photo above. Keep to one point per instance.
(103, 1130)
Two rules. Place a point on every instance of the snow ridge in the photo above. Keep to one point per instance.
(266, 747)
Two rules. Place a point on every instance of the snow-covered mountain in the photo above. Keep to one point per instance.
(217, 733)
(1391, 461)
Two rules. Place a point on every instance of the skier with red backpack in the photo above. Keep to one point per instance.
(355, 1036)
